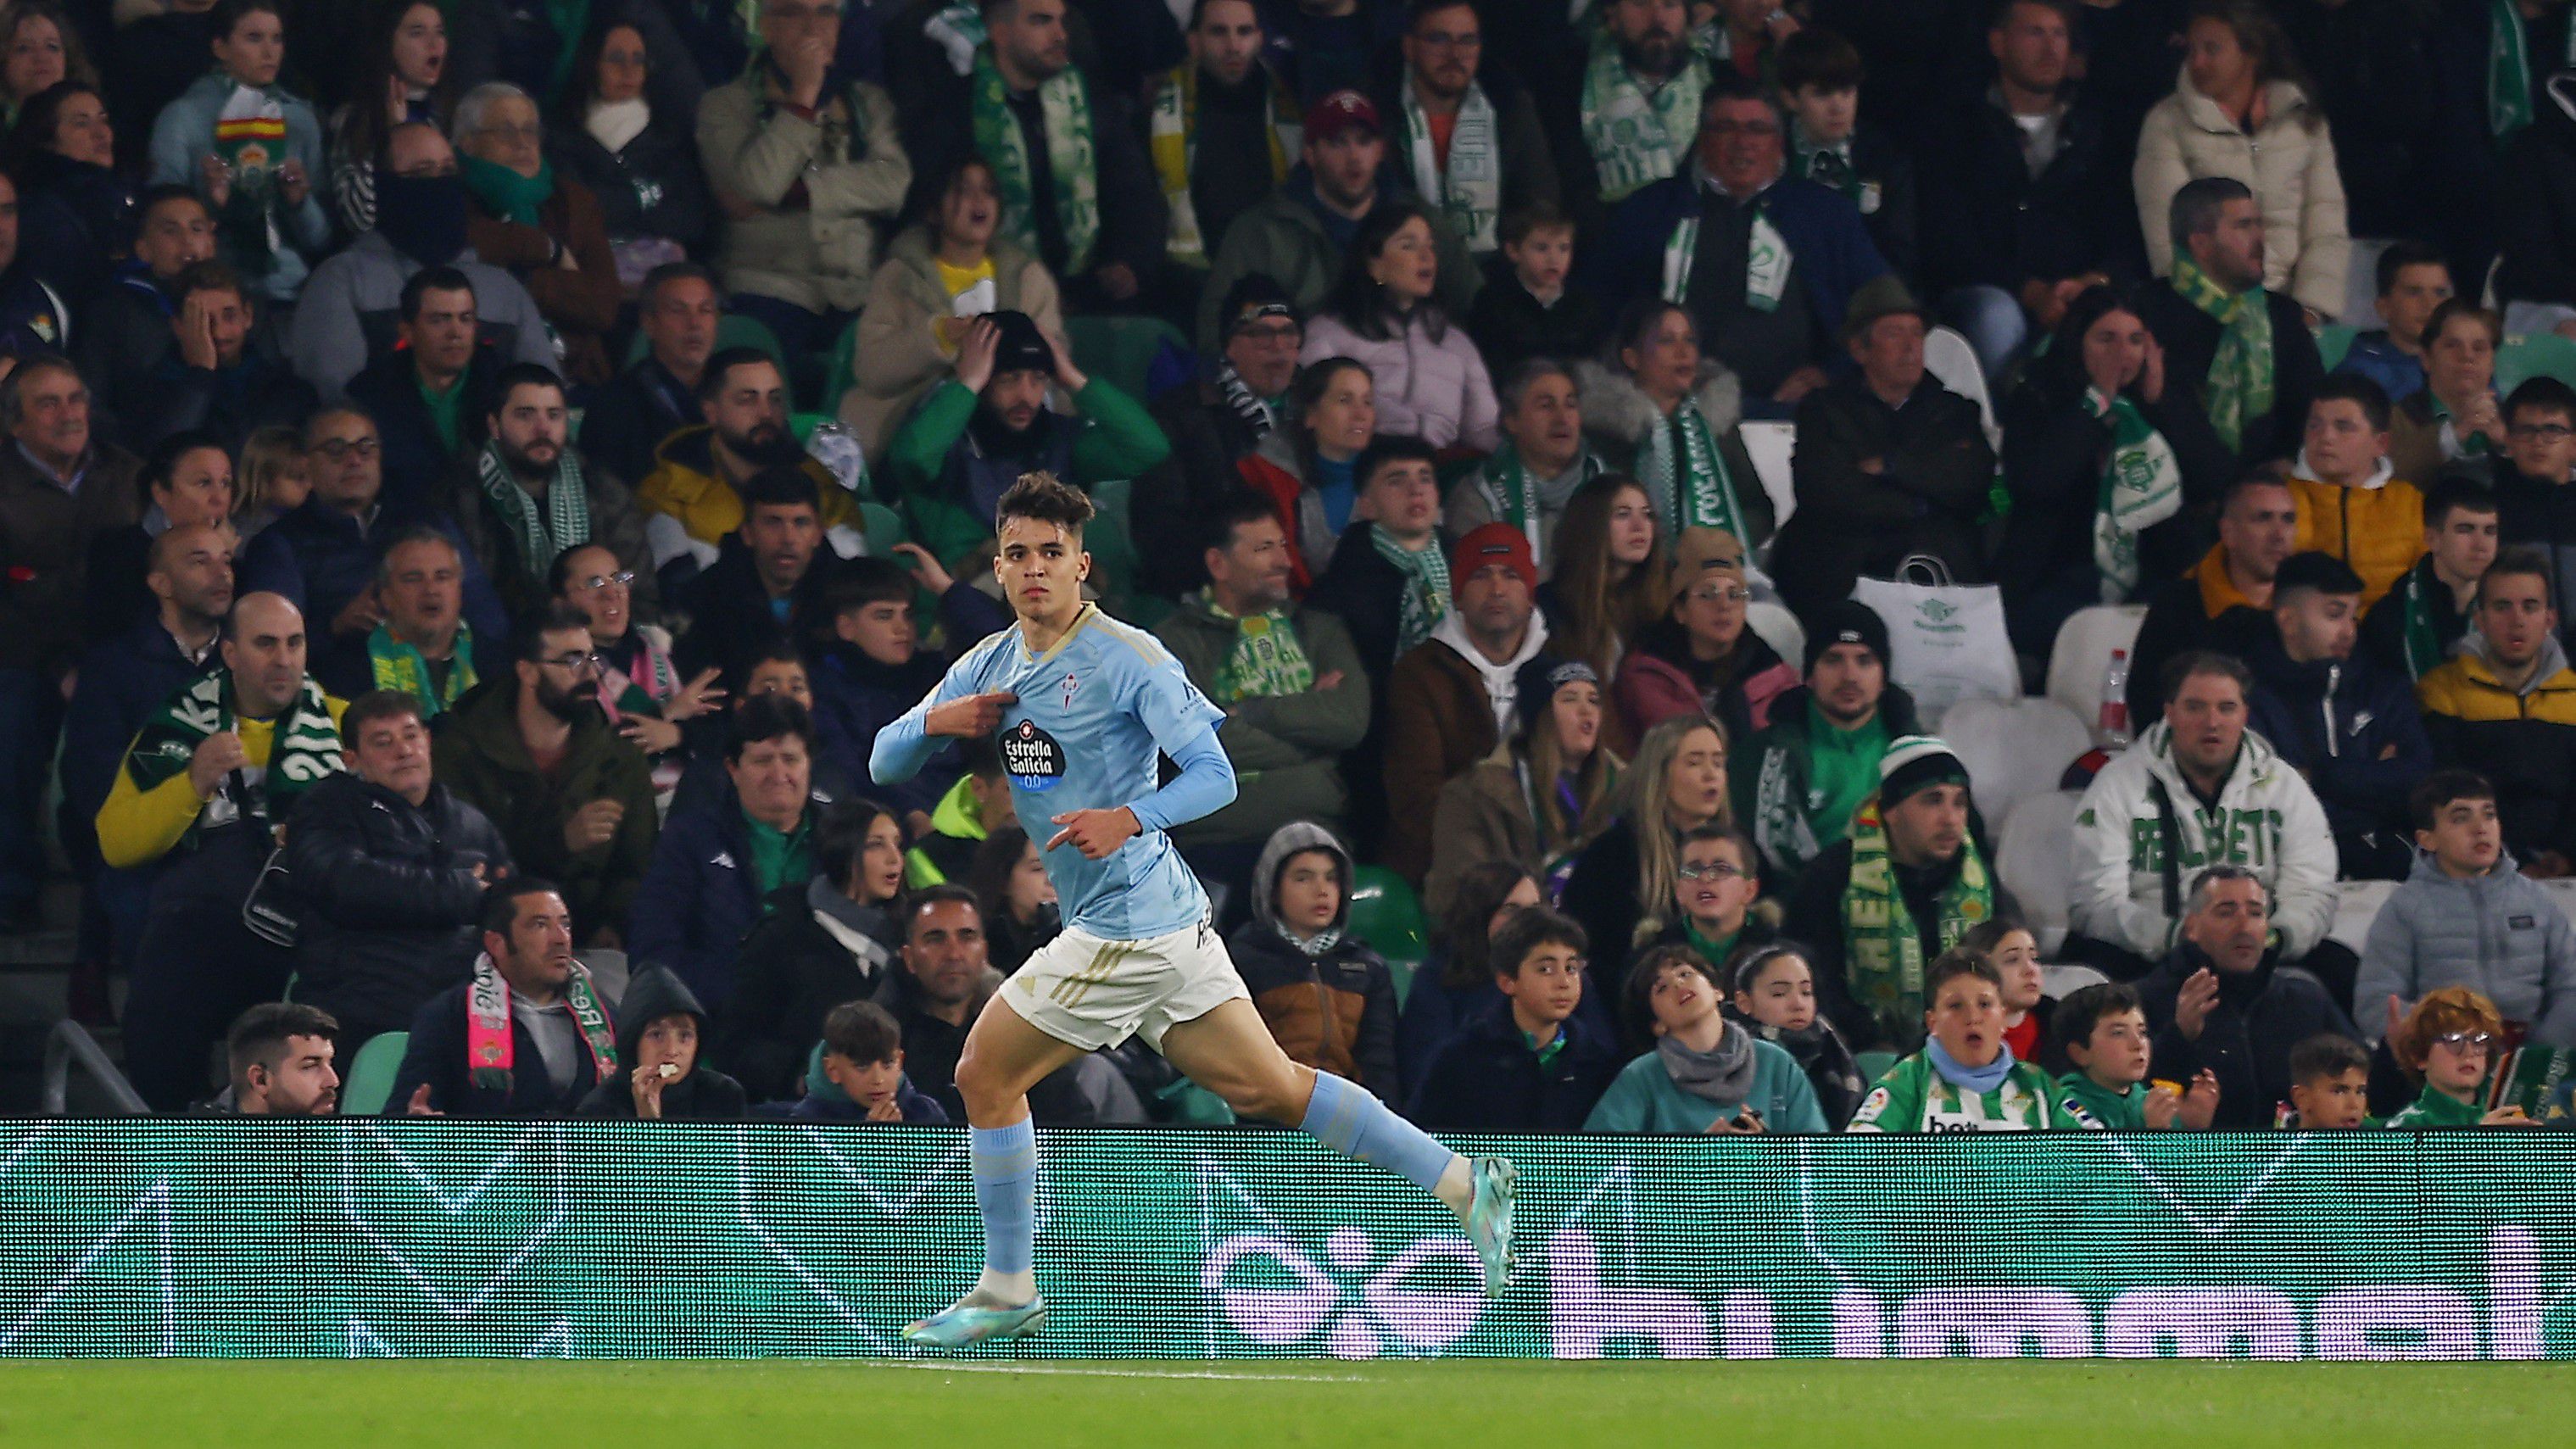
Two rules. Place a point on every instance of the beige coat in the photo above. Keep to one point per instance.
(899, 354)
(820, 256)
(2289, 163)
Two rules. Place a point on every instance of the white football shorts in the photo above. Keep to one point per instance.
(1093, 993)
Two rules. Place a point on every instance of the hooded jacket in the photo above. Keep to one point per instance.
(2523, 741)
(1618, 417)
(687, 485)
(351, 304)
(898, 355)
(704, 1095)
(2500, 934)
(1286, 749)
(2376, 525)
(479, 755)
(1446, 708)
(2338, 721)
(2260, 1016)
(2288, 162)
(2141, 835)
(1332, 1007)
(815, 949)
(2536, 215)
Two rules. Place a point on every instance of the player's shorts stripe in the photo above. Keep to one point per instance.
(1072, 989)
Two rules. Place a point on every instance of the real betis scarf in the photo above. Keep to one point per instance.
(1426, 586)
(542, 533)
(250, 137)
(1685, 474)
(1174, 140)
(1066, 105)
(1636, 138)
(1883, 955)
(2240, 372)
(1469, 191)
(491, 1049)
(1510, 494)
(399, 666)
(2141, 487)
(1766, 262)
(304, 752)
(1268, 660)
(507, 194)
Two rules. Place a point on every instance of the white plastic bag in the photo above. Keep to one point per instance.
(1948, 639)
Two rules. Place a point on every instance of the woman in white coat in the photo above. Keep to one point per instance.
(2240, 111)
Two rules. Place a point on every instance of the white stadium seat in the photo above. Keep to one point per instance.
(1771, 445)
(2033, 861)
(2357, 904)
(2084, 645)
(1774, 625)
(1948, 357)
(2013, 748)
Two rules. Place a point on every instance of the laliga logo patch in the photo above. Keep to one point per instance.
(1031, 757)
(1273, 1294)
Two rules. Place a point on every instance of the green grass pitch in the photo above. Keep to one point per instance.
(916, 1405)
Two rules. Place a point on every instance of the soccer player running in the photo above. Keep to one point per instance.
(1082, 704)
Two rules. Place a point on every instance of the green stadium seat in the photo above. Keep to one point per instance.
(1402, 968)
(732, 331)
(370, 1083)
(2534, 354)
(1187, 1104)
(1873, 1065)
(1387, 916)
(1112, 546)
(2333, 341)
(1120, 349)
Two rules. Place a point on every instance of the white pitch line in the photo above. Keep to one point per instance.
(1103, 1372)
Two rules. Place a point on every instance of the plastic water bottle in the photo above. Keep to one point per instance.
(2111, 726)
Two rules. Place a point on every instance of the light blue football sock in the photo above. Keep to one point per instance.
(1006, 1193)
(1349, 1119)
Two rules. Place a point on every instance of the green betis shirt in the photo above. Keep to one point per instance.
(445, 408)
(1912, 1097)
(779, 858)
(1842, 770)
(2437, 1108)
(2084, 1102)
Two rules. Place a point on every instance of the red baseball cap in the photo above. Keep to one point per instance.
(1339, 112)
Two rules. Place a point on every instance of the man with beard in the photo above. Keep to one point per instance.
(2245, 347)
(1800, 780)
(527, 1037)
(280, 1059)
(1638, 107)
(527, 495)
(349, 306)
(773, 577)
(974, 435)
(1223, 129)
(426, 394)
(1472, 145)
(692, 496)
(571, 796)
(1213, 424)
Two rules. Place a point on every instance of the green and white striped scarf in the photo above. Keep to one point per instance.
(2240, 371)
(1066, 104)
(1635, 138)
(304, 751)
(1426, 586)
(1469, 191)
(1511, 495)
(542, 534)
(1883, 953)
(1685, 474)
(2141, 487)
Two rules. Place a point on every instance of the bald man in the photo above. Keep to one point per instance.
(208, 778)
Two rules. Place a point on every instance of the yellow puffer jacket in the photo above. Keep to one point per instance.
(2377, 527)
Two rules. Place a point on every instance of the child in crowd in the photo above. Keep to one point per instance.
(2466, 917)
(1328, 999)
(2103, 1031)
(2007, 945)
(1530, 1067)
(862, 1066)
(1965, 1079)
(1458, 981)
(1820, 81)
(272, 480)
(2329, 1085)
(976, 806)
(1705, 1073)
(2447, 1042)
(659, 1027)
(2351, 502)
(875, 668)
(2413, 280)
(1774, 997)
(1526, 309)
(1716, 892)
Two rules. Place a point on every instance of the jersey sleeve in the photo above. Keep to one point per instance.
(1895, 1104)
(1161, 694)
(905, 745)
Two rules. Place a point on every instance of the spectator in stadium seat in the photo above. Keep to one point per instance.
(1704, 1073)
(43, 46)
(641, 691)
(2329, 1085)
(678, 311)
(1443, 90)
(535, 47)
(1458, 981)
(2004, 943)
(2536, 217)
(573, 799)
(1535, 1066)
(938, 276)
(1389, 579)
(1528, 309)
(2505, 705)
(2242, 112)
(545, 228)
(661, 1074)
(1611, 585)
(548, 1043)
(526, 495)
(1292, 684)
(252, 148)
(2105, 1037)
(698, 474)
(1889, 464)
(2468, 917)
(34, 318)
(1774, 997)
(1452, 698)
(1812, 766)
(402, 78)
(273, 479)
(1308, 468)
(389, 869)
(424, 648)
(2419, 622)
(2098, 404)
(1221, 131)
(1716, 910)
(348, 311)
(1531, 480)
(863, 1063)
(2219, 1002)
(1701, 657)
(1668, 412)
(2198, 790)
(2338, 718)
(2531, 473)
(2221, 604)
(972, 436)
(75, 211)
(126, 332)
(825, 940)
(1213, 424)
(428, 395)
(945, 980)
(638, 156)
(715, 867)
(1539, 796)
(973, 809)
(2413, 280)
(2352, 504)
(216, 373)
(1325, 995)
(1965, 1079)
(280, 1062)
(1624, 886)
(774, 576)
(2450, 1042)
(1907, 884)
(1640, 102)
(1021, 911)
(205, 781)
(776, 668)
(1835, 143)
(2457, 416)
(2243, 348)
(189, 483)
(808, 163)
(874, 665)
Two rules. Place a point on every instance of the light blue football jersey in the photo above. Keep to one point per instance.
(1094, 714)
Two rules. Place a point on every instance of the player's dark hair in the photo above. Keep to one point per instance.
(861, 1033)
(1530, 928)
(1041, 497)
(2084, 1009)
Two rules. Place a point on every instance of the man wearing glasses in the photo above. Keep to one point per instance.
(1214, 424)
(2532, 474)
(1468, 140)
(572, 796)
(1701, 657)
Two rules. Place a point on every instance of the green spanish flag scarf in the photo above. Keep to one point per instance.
(250, 139)
(304, 752)
(398, 666)
(1066, 104)
(2141, 487)
(2240, 372)
(1883, 956)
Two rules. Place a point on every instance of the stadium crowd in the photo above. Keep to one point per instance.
(484, 471)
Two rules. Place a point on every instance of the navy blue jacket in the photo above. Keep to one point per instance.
(1486, 1079)
(814, 1107)
(1825, 232)
(2260, 1016)
(435, 1057)
(2333, 721)
(122, 680)
(418, 463)
(698, 899)
(856, 696)
(319, 559)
